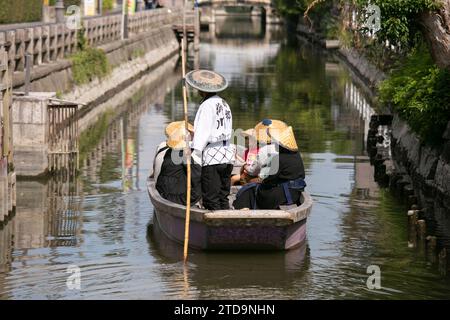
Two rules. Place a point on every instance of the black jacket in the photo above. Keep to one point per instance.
(270, 194)
(171, 183)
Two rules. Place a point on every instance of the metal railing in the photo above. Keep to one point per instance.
(62, 136)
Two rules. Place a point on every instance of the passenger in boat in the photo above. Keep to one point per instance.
(211, 143)
(249, 157)
(280, 167)
(170, 170)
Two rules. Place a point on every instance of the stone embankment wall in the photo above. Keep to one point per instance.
(150, 44)
(419, 172)
(425, 167)
(151, 41)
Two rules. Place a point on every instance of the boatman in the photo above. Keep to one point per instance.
(211, 143)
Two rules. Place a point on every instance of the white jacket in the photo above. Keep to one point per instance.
(213, 127)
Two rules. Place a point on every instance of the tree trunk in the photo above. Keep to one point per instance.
(436, 28)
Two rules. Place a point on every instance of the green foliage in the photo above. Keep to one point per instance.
(420, 92)
(295, 8)
(399, 19)
(108, 5)
(67, 3)
(89, 64)
(20, 11)
(291, 7)
(81, 39)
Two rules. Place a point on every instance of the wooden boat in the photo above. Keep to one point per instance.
(282, 229)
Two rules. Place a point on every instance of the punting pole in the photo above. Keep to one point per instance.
(187, 150)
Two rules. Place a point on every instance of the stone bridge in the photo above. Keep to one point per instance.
(210, 8)
(224, 3)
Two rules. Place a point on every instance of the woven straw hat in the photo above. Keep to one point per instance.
(261, 130)
(206, 81)
(176, 134)
(278, 131)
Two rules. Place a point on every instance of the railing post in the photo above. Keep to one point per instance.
(37, 45)
(196, 27)
(20, 49)
(28, 65)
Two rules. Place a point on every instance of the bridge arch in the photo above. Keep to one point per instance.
(208, 8)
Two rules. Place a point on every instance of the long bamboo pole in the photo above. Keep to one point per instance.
(187, 150)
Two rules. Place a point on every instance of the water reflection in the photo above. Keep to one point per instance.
(47, 214)
(222, 272)
(99, 221)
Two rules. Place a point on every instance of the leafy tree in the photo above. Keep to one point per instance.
(400, 23)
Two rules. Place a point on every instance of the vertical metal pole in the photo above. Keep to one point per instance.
(196, 26)
(125, 19)
(28, 63)
(59, 8)
(126, 25)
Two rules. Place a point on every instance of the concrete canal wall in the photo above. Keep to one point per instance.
(151, 42)
(419, 172)
(424, 167)
(130, 60)
(7, 174)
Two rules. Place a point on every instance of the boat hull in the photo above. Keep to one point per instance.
(232, 229)
(205, 237)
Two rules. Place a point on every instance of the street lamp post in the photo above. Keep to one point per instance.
(125, 19)
(59, 8)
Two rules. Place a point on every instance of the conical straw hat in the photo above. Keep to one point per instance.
(176, 125)
(285, 137)
(206, 80)
(261, 130)
(176, 134)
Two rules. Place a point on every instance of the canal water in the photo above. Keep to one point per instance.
(102, 224)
